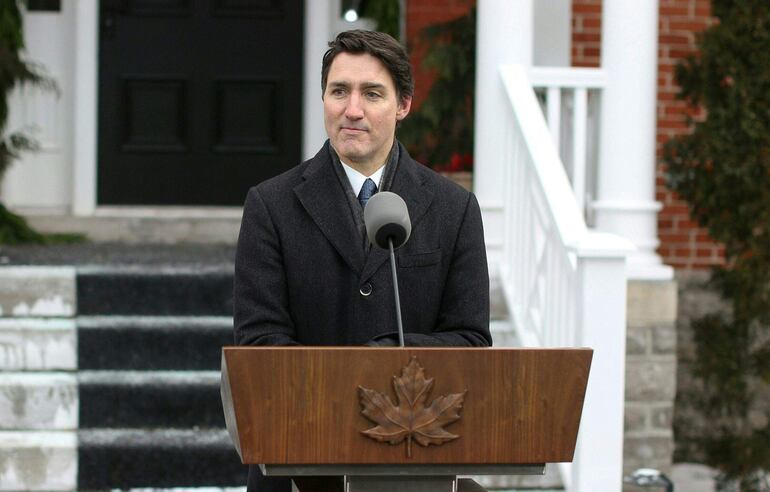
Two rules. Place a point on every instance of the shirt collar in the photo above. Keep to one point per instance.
(357, 179)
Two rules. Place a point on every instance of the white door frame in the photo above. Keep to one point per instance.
(320, 19)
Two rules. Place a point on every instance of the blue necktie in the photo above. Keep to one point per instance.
(367, 190)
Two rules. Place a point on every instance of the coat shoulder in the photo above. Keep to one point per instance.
(440, 185)
(281, 185)
(282, 182)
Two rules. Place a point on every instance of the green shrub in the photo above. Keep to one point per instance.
(386, 13)
(722, 169)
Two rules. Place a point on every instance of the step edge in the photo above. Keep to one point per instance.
(123, 321)
(156, 438)
(142, 378)
(95, 270)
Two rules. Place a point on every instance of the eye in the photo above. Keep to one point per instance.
(372, 94)
(337, 91)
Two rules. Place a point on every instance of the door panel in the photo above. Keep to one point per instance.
(199, 99)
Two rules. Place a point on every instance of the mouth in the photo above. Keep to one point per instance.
(352, 130)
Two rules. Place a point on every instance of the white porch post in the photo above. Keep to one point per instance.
(85, 110)
(598, 461)
(626, 186)
(320, 17)
(503, 35)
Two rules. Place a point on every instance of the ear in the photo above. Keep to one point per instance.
(404, 105)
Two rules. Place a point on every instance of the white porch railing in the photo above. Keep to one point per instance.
(564, 284)
(571, 111)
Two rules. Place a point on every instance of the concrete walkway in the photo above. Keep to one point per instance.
(693, 477)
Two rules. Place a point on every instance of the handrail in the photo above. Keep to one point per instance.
(586, 78)
(545, 156)
(565, 285)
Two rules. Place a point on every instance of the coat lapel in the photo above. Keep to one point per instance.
(325, 201)
(409, 185)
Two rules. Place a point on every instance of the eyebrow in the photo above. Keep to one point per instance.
(373, 85)
(365, 85)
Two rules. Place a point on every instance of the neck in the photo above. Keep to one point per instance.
(366, 169)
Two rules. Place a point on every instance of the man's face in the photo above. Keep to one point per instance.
(361, 109)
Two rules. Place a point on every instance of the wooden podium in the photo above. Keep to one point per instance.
(408, 419)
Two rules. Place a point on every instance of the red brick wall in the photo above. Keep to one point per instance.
(586, 32)
(419, 14)
(683, 245)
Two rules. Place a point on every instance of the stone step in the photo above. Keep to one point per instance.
(550, 481)
(37, 344)
(131, 458)
(38, 460)
(152, 342)
(150, 399)
(503, 334)
(136, 226)
(155, 290)
(40, 291)
(44, 400)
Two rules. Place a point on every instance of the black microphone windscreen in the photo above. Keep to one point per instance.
(387, 217)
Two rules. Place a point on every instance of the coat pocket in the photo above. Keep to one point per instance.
(419, 259)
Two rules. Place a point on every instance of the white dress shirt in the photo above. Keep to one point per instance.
(357, 179)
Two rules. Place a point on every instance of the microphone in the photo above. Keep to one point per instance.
(388, 226)
(386, 216)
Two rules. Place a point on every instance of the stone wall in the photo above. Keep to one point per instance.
(696, 299)
(38, 385)
(650, 375)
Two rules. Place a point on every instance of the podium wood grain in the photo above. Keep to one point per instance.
(300, 405)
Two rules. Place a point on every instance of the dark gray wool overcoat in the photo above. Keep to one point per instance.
(303, 275)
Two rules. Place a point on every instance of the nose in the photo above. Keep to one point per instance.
(353, 109)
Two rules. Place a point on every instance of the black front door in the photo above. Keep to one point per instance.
(198, 99)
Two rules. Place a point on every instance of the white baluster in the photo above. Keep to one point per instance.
(579, 125)
(553, 105)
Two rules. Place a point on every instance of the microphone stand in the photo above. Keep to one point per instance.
(395, 292)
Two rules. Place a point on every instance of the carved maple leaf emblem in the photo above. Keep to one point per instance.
(411, 418)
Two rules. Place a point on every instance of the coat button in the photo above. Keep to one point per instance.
(366, 289)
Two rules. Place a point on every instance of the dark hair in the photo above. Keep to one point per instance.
(381, 46)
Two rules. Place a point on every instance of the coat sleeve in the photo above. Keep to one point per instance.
(260, 294)
(463, 319)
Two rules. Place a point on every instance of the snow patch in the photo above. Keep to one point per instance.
(52, 306)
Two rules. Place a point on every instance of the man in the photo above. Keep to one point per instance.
(305, 273)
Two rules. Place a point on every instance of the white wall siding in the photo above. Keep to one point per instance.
(43, 179)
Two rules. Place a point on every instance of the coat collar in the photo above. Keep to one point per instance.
(410, 185)
(324, 199)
